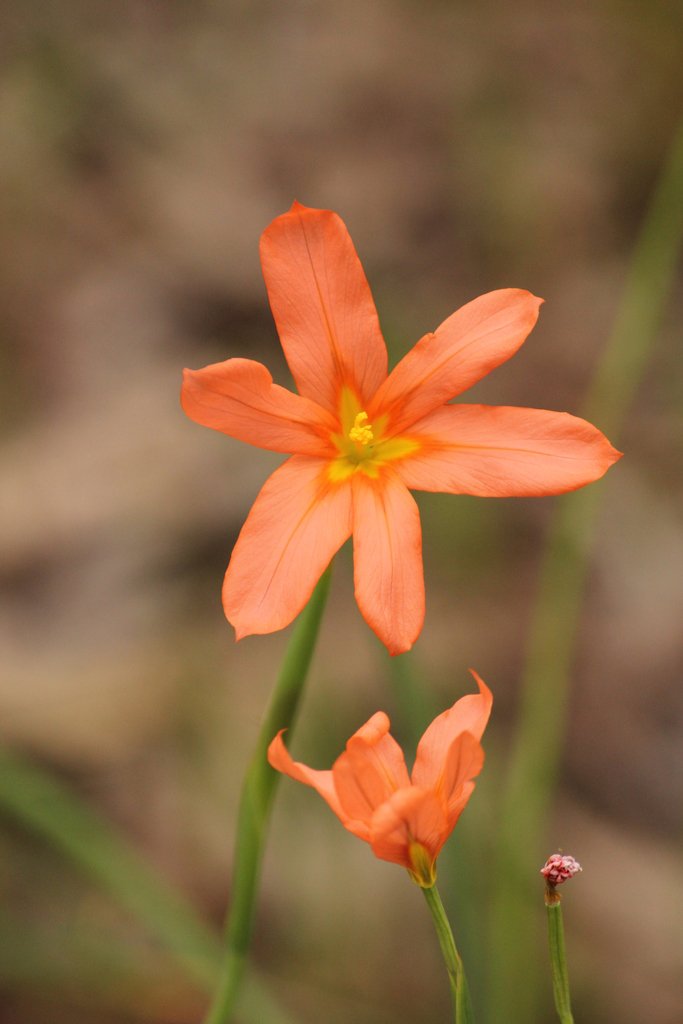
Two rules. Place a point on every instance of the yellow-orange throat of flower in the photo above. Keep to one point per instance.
(363, 446)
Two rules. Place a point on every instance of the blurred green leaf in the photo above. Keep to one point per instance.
(37, 801)
(514, 982)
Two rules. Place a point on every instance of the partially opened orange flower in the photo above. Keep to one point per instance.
(361, 437)
(405, 819)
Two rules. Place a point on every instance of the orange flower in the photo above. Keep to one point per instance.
(359, 437)
(405, 819)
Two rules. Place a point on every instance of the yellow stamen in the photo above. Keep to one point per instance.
(361, 431)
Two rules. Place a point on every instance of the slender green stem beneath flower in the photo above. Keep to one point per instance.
(256, 802)
(558, 960)
(462, 1005)
(537, 749)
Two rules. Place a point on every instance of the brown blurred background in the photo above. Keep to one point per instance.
(144, 145)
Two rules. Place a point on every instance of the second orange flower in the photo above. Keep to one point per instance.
(406, 819)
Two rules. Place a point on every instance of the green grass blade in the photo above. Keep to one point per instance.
(42, 805)
(47, 808)
(514, 983)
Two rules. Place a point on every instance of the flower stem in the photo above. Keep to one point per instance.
(558, 959)
(256, 801)
(462, 1006)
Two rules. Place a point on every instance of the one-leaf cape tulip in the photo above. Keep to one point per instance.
(360, 438)
(406, 819)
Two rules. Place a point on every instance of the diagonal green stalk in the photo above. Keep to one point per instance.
(256, 802)
(537, 748)
(462, 1005)
(41, 804)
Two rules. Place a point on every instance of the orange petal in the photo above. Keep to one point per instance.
(458, 802)
(322, 305)
(432, 769)
(464, 761)
(467, 346)
(410, 815)
(502, 451)
(239, 398)
(387, 557)
(297, 523)
(280, 759)
(370, 770)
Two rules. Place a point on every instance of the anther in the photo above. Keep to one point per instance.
(361, 431)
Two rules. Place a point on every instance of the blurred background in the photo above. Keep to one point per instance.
(144, 145)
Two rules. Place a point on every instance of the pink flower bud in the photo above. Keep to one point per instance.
(558, 868)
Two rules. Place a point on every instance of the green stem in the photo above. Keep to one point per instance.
(537, 746)
(462, 1006)
(558, 959)
(256, 801)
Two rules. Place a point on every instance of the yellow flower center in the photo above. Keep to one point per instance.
(361, 431)
(363, 447)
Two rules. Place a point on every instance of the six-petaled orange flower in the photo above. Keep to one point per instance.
(360, 438)
(405, 819)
